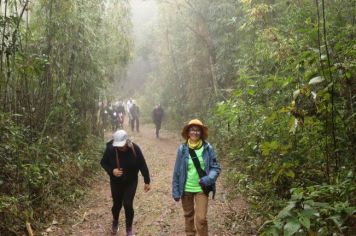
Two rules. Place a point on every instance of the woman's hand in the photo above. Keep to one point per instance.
(202, 182)
(117, 172)
(146, 188)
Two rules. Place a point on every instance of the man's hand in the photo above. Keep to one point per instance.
(146, 188)
(117, 172)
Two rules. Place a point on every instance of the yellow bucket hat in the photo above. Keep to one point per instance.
(196, 122)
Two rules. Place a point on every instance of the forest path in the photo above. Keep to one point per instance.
(155, 211)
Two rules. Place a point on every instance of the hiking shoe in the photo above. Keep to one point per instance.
(114, 227)
(130, 232)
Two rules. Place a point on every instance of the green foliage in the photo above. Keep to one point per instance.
(276, 89)
(285, 137)
(316, 210)
(38, 177)
(56, 59)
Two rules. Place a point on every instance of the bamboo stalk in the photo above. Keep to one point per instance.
(3, 36)
(29, 229)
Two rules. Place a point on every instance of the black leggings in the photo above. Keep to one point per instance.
(123, 194)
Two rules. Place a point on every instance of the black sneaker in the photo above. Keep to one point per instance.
(114, 227)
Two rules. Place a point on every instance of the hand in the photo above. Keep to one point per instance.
(176, 199)
(117, 172)
(202, 182)
(146, 188)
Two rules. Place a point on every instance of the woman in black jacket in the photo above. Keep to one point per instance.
(122, 160)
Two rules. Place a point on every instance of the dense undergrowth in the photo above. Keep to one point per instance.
(56, 60)
(41, 175)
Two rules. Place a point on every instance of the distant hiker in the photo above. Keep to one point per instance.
(122, 160)
(120, 109)
(157, 115)
(195, 172)
(128, 107)
(135, 112)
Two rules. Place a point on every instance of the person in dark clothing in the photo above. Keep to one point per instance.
(120, 109)
(122, 160)
(157, 115)
(135, 112)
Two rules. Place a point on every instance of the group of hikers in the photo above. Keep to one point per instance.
(111, 115)
(114, 114)
(194, 175)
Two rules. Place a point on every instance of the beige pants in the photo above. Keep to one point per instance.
(195, 214)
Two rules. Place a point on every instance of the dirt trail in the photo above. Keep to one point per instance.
(155, 212)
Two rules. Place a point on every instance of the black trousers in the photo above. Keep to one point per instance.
(123, 194)
(158, 127)
(134, 121)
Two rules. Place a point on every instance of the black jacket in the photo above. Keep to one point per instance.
(129, 162)
(157, 115)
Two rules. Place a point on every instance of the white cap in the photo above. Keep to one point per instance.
(120, 138)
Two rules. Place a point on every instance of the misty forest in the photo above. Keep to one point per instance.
(273, 80)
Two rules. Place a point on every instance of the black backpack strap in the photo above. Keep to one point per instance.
(131, 146)
(196, 162)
